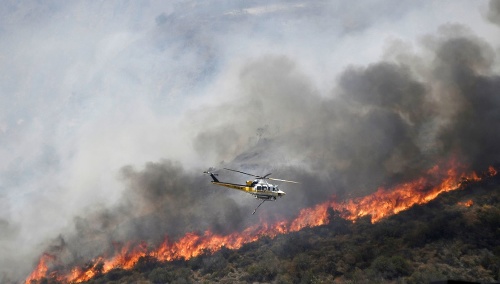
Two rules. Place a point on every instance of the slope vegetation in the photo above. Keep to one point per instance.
(456, 236)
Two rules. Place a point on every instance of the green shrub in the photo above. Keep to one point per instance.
(160, 275)
(146, 263)
(391, 267)
(261, 272)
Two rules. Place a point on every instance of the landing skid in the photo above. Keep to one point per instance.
(263, 200)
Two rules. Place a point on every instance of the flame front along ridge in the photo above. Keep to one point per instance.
(381, 204)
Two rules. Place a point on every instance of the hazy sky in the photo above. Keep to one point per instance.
(88, 87)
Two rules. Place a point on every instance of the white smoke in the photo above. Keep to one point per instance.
(89, 87)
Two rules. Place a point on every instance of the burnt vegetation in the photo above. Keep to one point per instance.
(444, 239)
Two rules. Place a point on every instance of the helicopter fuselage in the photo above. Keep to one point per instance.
(258, 188)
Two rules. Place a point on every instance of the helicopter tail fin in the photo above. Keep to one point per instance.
(212, 175)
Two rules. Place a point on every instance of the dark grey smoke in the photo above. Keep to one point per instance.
(382, 124)
(464, 66)
(494, 11)
(161, 200)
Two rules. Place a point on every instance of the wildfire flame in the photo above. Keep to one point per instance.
(41, 269)
(467, 203)
(382, 203)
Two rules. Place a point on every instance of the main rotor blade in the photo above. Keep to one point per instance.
(242, 173)
(277, 179)
(262, 177)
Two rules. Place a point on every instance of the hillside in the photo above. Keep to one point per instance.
(456, 236)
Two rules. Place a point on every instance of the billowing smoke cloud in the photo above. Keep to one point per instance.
(380, 125)
(494, 11)
(113, 149)
(464, 66)
(383, 121)
(161, 198)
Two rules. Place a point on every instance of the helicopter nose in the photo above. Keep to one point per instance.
(282, 193)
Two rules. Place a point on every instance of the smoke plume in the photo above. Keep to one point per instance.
(494, 11)
(115, 114)
(382, 124)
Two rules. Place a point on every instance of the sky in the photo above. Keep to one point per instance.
(107, 105)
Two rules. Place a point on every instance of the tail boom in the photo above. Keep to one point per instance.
(214, 179)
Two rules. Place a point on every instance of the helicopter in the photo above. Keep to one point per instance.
(259, 187)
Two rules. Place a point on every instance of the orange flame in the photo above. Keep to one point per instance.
(467, 203)
(382, 203)
(492, 171)
(41, 268)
